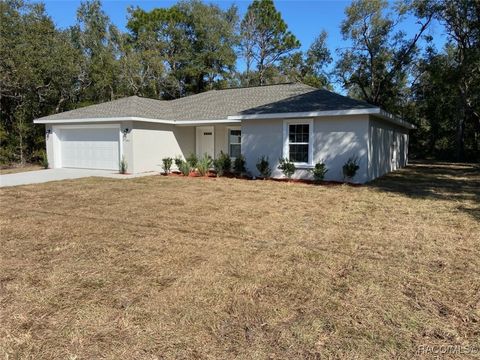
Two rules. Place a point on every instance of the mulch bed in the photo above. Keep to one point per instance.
(212, 174)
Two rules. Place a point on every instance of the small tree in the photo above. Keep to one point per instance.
(288, 168)
(239, 165)
(263, 167)
(167, 164)
(350, 168)
(319, 171)
(222, 164)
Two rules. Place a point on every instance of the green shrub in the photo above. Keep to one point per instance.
(239, 165)
(319, 171)
(123, 166)
(204, 164)
(167, 164)
(192, 160)
(288, 168)
(178, 161)
(350, 168)
(184, 168)
(263, 167)
(222, 164)
(44, 159)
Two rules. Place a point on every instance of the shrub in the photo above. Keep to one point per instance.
(167, 164)
(319, 171)
(192, 160)
(288, 168)
(263, 167)
(178, 162)
(350, 168)
(184, 168)
(222, 164)
(123, 166)
(239, 165)
(44, 160)
(204, 164)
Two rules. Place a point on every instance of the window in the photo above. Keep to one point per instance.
(234, 142)
(298, 142)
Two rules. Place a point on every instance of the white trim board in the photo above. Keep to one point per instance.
(134, 118)
(376, 111)
(238, 118)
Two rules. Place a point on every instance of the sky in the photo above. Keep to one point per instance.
(305, 18)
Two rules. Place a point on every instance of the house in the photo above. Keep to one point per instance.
(296, 121)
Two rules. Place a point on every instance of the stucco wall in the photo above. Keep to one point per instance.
(153, 142)
(335, 139)
(388, 148)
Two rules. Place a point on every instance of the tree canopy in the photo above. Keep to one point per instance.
(192, 46)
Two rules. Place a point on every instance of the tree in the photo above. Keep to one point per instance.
(462, 23)
(265, 38)
(376, 66)
(195, 42)
(92, 36)
(308, 68)
(37, 75)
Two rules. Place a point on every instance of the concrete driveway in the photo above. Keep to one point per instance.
(41, 176)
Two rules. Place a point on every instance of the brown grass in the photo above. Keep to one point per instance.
(170, 267)
(19, 169)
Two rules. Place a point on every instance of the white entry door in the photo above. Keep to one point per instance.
(205, 141)
(90, 148)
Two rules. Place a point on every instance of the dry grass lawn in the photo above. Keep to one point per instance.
(188, 268)
(19, 169)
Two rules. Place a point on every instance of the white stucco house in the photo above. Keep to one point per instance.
(294, 121)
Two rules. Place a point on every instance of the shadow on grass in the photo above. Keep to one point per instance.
(437, 180)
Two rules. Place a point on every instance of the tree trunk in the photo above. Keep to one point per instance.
(460, 136)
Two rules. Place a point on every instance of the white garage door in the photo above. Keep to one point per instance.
(90, 148)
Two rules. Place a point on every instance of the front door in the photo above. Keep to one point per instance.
(205, 141)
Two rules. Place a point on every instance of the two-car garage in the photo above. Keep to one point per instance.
(87, 147)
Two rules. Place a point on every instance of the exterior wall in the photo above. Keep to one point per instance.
(335, 139)
(152, 142)
(388, 147)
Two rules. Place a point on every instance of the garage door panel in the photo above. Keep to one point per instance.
(95, 148)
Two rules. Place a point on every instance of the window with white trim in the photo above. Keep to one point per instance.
(234, 142)
(299, 142)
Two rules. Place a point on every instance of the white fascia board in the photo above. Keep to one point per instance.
(99, 119)
(396, 120)
(206, 122)
(376, 111)
(307, 114)
(134, 118)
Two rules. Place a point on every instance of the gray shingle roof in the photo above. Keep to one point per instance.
(219, 104)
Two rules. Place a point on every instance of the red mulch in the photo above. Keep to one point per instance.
(212, 174)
